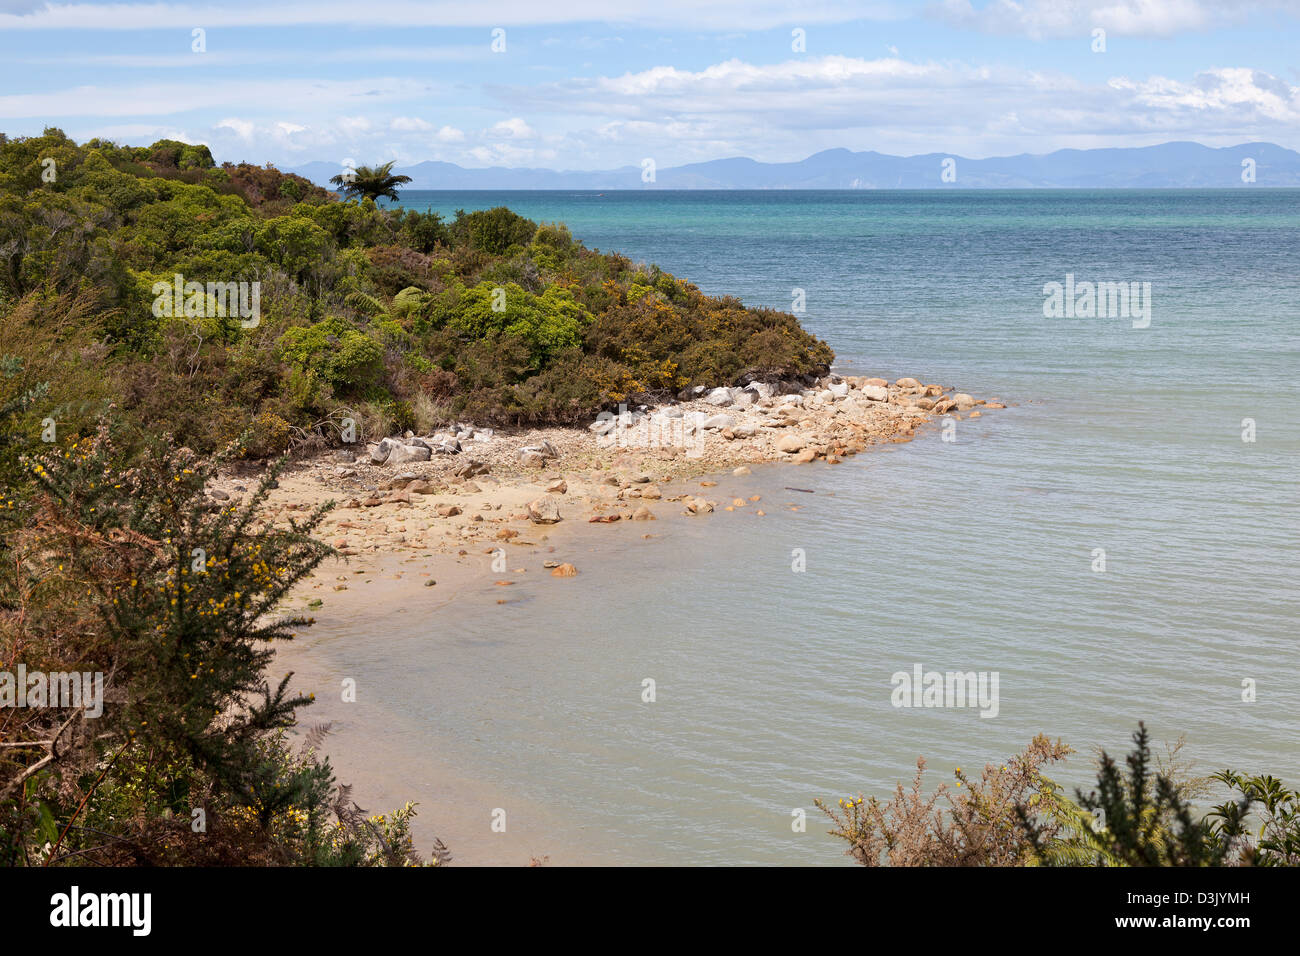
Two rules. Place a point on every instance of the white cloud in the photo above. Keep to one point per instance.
(1040, 19)
(450, 134)
(241, 128)
(515, 128)
(406, 14)
(410, 124)
(788, 110)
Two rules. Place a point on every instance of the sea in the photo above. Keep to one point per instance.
(1120, 545)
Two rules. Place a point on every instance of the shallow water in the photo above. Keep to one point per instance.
(773, 686)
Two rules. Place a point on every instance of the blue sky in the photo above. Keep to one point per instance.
(675, 81)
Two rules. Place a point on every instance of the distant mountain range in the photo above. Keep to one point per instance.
(1170, 165)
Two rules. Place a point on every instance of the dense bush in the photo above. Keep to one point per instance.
(489, 314)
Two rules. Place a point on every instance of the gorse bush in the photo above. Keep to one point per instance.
(570, 330)
(1015, 815)
(127, 571)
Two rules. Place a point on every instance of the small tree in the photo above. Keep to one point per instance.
(369, 182)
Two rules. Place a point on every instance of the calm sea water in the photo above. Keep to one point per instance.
(773, 687)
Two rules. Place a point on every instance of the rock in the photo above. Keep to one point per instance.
(907, 383)
(875, 393)
(603, 519)
(963, 401)
(219, 495)
(994, 405)
(471, 468)
(651, 493)
(925, 403)
(448, 511)
(839, 389)
(790, 443)
(471, 488)
(557, 487)
(672, 411)
(641, 478)
(879, 382)
(719, 396)
(807, 456)
(531, 458)
(421, 487)
(744, 399)
(379, 452)
(742, 470)
(718, 421)
(760, 389)
(544, 510)
(698, 506)
(345, 455)
(643, 514)
(933, 391)
(603, 426)
(430, 583)
(401, 454)
(565, 570)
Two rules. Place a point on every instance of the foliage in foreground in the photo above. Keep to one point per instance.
(1015, 815)
(122, 568)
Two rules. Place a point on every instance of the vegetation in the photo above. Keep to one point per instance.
(371, 183)
(131, 573)
(1015, 815)
(363, 312)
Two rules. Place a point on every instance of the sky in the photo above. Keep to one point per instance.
(561, 85)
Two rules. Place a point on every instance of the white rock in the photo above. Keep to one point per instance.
(719, 396)
(401, 454)
(875, 393)
(718, 421)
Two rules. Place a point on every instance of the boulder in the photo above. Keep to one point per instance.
(643, 514)
(760, 389)
(719, 396)
(603, 426)
(557, 487)
(565, 570)
(963, 402)
(718, 421)
(839, 389)
(907, 383)
(401, 454)
(544, 510)
(875, 393)
(471, 468)
(379, 452)
(789, 444)
(651, 492)
(879, 382)
(530, 458)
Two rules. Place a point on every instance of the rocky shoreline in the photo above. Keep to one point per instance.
(466, 487)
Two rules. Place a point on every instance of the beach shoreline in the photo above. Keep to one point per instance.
(457, 545)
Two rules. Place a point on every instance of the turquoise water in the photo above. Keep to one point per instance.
(773, 687)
